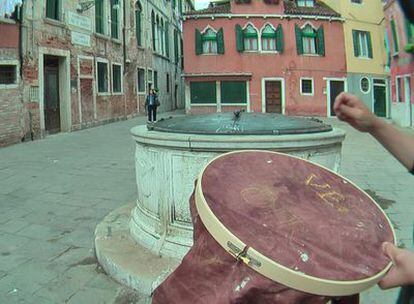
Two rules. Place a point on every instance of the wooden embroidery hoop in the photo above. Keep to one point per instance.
(266, 266)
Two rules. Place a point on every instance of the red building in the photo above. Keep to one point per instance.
(400, 33)
(264, 56)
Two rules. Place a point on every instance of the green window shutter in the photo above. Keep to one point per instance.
(154, 44)
(394, 36)
(203, 92)
(233, 92)
(299, 43)
(99, 25)
(176, 47)
(167, 39)
(52, 11)
(356, 43)
(180, 6)
(408, 30)
(220, 41)
(198, 43)
(370, 55)
(279, 39)
(321, 41)
(173, 3)
(239, 38)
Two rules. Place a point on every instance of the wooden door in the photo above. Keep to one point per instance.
(336, 87)
(51, 95)
(273, 91)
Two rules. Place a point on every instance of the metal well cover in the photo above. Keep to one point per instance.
(239, 123)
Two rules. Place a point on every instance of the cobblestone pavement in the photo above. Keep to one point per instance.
(54, 191)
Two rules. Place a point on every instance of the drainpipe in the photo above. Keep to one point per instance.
(124, 53)
(20, 19)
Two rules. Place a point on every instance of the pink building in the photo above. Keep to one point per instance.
(400, 38)
(264, 56)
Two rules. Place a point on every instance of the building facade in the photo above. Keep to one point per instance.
(86, 63)
(400, 34)
(264, 56)
(364, 30)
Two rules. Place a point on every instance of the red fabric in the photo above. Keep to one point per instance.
(298, 214)
(209, 275)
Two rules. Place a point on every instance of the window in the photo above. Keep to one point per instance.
(52, 9)
(365, 85)
(306, 86)
(167, 39)
(141, 80)
(99, 17)
(394, 36)
(115, 17)
(356, 1)
(203, 92)
(102, 71)
(149, 75)
(269, 38)
(362, 44)
(310, 41)
(233, 92)
(399, 89)
(154, 32)
(8, 74)
(209, 39)
(168, 83)
(306, 3)
(138, 23)
(155, 80)
(176, 47)
(209, 42)
(250, 39)
(116, 78)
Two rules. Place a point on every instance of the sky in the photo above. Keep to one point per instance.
(201, 3)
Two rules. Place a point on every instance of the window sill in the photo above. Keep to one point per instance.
(252, 51)
(161, 56)
(204, 104)
(7, 20)
(116, 40)
(306, 94)
(117, 93)
(210, 54)
(104, 94)
(364, 58)
(311, 55)
(141, 93)
(9, 86)
(54, 22)
(396, 54)
(269, 52)
(102, 36)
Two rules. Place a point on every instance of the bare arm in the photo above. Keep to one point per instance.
(350, 109)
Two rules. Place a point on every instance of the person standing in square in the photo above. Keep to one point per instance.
(151, 104)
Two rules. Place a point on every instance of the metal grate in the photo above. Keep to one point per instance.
(8, 74)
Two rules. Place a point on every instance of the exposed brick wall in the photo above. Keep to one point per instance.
(11, 117)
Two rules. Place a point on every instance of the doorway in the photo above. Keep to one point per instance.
(380, 97)
(335, 87)
(273, 96)
(407, 94)
(51, 94)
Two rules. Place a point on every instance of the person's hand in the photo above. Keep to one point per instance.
(402, 271)
(350, 109)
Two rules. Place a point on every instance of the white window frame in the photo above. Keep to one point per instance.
(103, 60)
(60, 12)
(260, 37)
(112, 78)
(150, 71)
(369, 83)
(145, 81)
(301, 87)
(360, 43)
(17, 66)
(208, 27)
(315, 40)
(305, 3)
(259, 42)
(107, 24)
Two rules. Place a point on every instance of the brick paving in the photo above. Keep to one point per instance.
(54, 191)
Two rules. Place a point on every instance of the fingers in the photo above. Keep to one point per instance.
(391, 279)
(391, 251)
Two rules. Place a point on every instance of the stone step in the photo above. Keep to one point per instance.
(125, 260)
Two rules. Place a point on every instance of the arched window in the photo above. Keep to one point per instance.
(154, 32)
(250, 38)
(162, 37)
(138, 23)
(269, 38)
(209, 38)
(309, 40)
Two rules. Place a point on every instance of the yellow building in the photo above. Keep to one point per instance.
(364, 30)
